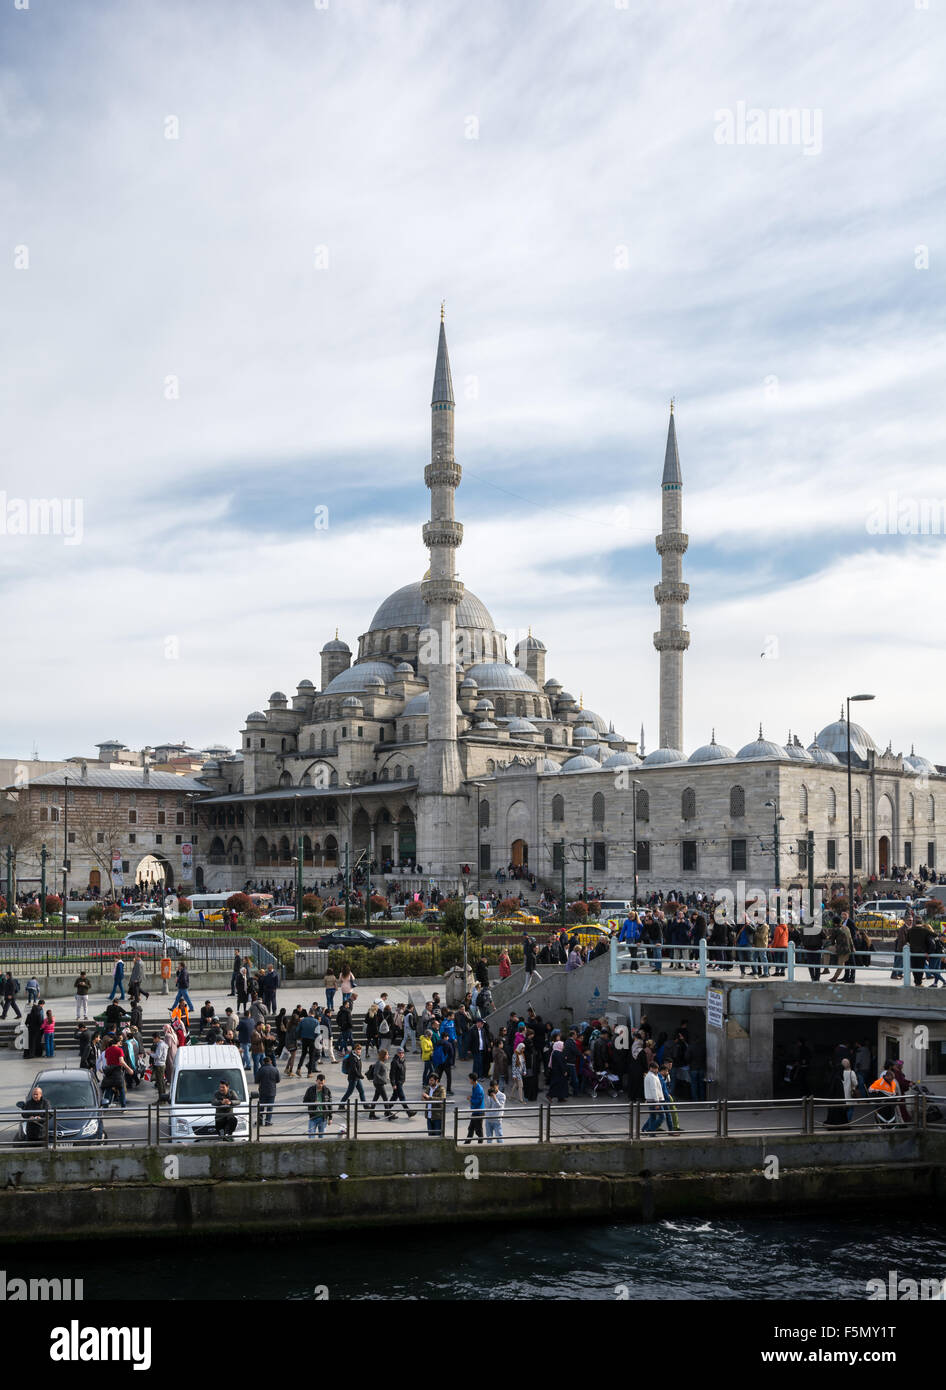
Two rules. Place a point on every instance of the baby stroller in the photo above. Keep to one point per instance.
(935, 1115)
(606, 1084)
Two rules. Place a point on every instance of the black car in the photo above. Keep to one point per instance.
(354, 936)
(74, 1094)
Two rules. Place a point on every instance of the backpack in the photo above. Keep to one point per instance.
(371, 1072)
(345, 1063)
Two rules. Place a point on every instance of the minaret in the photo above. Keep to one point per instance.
(671, 594)
(442, 591)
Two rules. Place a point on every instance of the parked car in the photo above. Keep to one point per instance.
(526, 918)
(397, 914)
(354, 936)
(74, 1094)
(280, 914)
(141, 915)
(149, 941)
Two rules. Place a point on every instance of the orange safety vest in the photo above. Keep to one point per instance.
(881, 1084)
(165, 968)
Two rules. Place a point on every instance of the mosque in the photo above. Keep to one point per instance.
(431, 753)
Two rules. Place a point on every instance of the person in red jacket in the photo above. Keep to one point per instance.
(780, 948)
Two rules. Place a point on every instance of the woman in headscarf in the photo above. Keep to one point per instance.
(558, 1075)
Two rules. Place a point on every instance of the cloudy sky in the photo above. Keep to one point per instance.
(212, 335)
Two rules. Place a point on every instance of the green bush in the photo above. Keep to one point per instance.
(414, 910)
(335, 914)
(31, 912)
(388, 962)
(313, 921)
(356, 917)
(311, 903)
(8, 922)
(453, 916)
(283, 949)
(96, 913)
(112, 912)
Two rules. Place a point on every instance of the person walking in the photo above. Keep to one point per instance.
(353, 1069)
(529, 957)
(11, 989)
(32, 990)
(518, 1069)
(318, 1098)
(558, 1073)
(159, 1057)
(379, 1073)
(436, 1098)
(81, 989)
(398, 1071)
(343, 1019)
(182, 981)
(654, 1095)
(477, 1111)
(118, 979)
(495, 1105)
(306, 1032)
(267, 1079)
(136, 981)
(235, 973)
(330, 981)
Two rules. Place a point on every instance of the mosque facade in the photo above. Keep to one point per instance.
(428, 751)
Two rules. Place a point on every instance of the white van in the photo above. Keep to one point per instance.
(198, 1072)
(614, 910)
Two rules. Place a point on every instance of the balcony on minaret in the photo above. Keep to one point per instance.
(442, 532)
(672, 639)
(671, 591)
(441, 591)
(443, 473)
(672, 542)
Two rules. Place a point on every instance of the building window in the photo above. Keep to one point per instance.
(597, 808)
(179, 818)
(484, 815)
(380, 735)
(558, 808)
(932, 809)
(132, 839)
(688, 804)
(737, 802)
(832, 854)
(484, 856)
(548, 735)
(44, 797)
(832, 804)
(599, 856)
(72, 837)
(159, 839)
(737, 856)
(410, 772)
(100, 837)
(858, 854)
(688, 856)
(162, 817)
(490, 767)
(643, 856)
(908, 854)
(71, 798)
(262, 743)
(43, 813)
(132, 817)
(361, 730)
(801, 849)
(98, 798)
(643, 805)
(500, 706)
(521, 708)
(931, 855)
(116, 799)
(558, 857)
(178, 839)
(803, 803)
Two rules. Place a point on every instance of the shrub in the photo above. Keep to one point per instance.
(356, 916)
(239, 901)
(313, 922)
(112, 912)
(53, 902)
(31, 912)
(283, 949)
(454, 916)
(8, 922)
(379, 904)
(507, 907)
(579, 911)
(414, 910)
(335, 914)
(311, 902)
(594, 908)
(250, 914)
(183, 905)
(96, 913)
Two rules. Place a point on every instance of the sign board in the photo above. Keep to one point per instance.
(715, 1000)
(187, 858)
(118, 878)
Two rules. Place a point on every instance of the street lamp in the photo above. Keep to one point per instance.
(850, 810)
(634, 785)
(775, 850)
(65, 859)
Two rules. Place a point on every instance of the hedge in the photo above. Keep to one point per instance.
(412, 961)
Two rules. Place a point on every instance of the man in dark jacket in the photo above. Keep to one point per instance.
(306, 1033)
(245, 1030)
(183, 983)
(36, 1113)
(318, 1098)
(398, 1074)
(481, 972)
(921, 942)
(225, 1121)
(11, 989)
(480, 1045)
(343, 1019)
(267, 1079)
(352, 1067)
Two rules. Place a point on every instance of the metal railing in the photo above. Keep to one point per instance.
(149, 1125)
(99, 954)
(769, 962)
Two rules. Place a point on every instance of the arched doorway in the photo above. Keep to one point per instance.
(520, 854)
(883, 856)
(95, 880)
(154, 869)
(884, 824)
(518, 826)
(331, 851)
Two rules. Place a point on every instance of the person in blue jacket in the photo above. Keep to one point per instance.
(478, 1109)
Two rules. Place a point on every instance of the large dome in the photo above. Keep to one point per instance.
(406, 608)
(833, 739)
(496, 675)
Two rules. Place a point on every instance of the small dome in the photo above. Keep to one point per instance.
(821, 755)
(520, 726)
(584, 731)
(552, 685)
(597, 723)
(711, 752)
(600, 751)
(257, 717)
(581, 763)
(919, 764)
(664, 755)
(549, 766)
(277, 697)
(622, 760)
(486, 724)
(566, 698)
(468, 683)
(336, 645)
(496, 675)
(352, 702)
(356, 677)
(405, 668)
(761, 748)
(612, 737)
(530, 644)
(211, 765)
(420, 704)
(797, 753)
(305, 685)
(484, 705)
(374, 683)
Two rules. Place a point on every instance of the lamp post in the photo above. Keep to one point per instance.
(775, 851)
(295, 818)
(43, 856)
(850, 809)
(65, 859)
(634, 785)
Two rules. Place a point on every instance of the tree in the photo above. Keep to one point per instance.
(20, 832)
(242, 902)
(100, 834)
(53, 902)
(183, 905)
(311, 902)
(413, 910)
(507, 907)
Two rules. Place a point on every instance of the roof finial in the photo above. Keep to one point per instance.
(581, 699)
(530, 631)
(713, 736)
(336, 633)
(760, 731)
(442, 303)
(671, 405)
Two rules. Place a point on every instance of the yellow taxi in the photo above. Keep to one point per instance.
(590, 933)
(526, 918)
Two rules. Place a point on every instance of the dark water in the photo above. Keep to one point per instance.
(755, 1260)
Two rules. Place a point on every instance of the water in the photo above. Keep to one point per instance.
(750, 1260)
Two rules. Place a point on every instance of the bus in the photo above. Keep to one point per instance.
(264, 901)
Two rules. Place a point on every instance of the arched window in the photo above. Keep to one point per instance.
(558, 807)
(597, 808)
(500, 706)
(306, 780)
(737, 802)
(548, 735)
(397, 772)
(521, 708)
(484, 815)
(384, 774)
(285, 780)
(490, 767)
(406, 733)
(857, 805)
(282, 745)
(932, 809)
(410, 772)
(333, 778)
(688, 804)
(324, 740)
(404, 642)
(312, 743)
(803, 802)
(832, 804)
(911, 808)
(643, 805)
(387, 643)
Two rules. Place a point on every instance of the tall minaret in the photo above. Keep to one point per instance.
(671, 594)
(442, 591)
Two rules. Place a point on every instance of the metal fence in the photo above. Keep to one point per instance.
(98, 954)
(790, 963)
(149, 1125)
